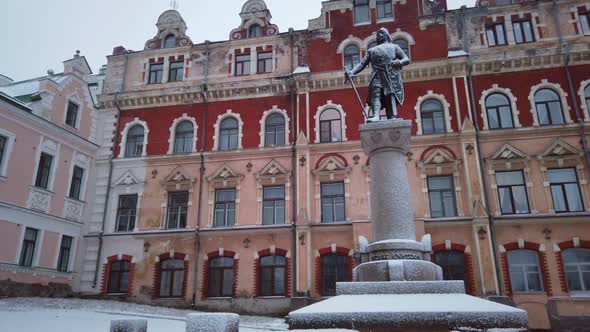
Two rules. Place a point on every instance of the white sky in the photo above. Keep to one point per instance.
(39, 34)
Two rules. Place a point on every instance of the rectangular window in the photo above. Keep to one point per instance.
(565, 190)
(177, 210)
(72, 114)
(384, 9)
(441, 190)
(43, 171)
(362, 12)
(273, 206)
(28, 251)
(523, 32)
(3, 148)
(126, 213)
(333, 202)
(265, 62)
(176, 71)
(495, 34)
(512, 192)
(225, 208)
(76, 185)
(155, 75)
(585, 23)
(242, 65)
(64, 253)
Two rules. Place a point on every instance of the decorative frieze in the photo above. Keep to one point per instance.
(39, 199)
(73, 209)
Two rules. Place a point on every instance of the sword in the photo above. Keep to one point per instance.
(358, 97)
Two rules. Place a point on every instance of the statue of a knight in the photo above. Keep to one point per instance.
(386, 87)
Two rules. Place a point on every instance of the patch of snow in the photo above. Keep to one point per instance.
(458, 53)
(302, 70)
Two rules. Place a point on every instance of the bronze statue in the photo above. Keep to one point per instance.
(386, 86)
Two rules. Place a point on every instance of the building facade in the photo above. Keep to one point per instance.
(47, 130)
(232, 176)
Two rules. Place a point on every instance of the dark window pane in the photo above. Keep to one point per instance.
(228, 133)
(565, 190)
(254, 31)
(335, 268)
(352, 56)
(403, 44)
(155, 74)
(170, 41)
(72, 115)
(44, 171)
(221, 277)
(242, 65)
(64, 254)
(3, 148)
(452, 264)
(264, 62)
(28, 247)
(171, 278)
(76, 185)
(273, 205)
(176, 72)
(134, 144)
(126, 213)
(584, 23)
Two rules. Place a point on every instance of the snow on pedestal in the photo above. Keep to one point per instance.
(129, 325)
(212, 322)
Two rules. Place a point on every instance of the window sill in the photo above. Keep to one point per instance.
(71, 127)
(356, 24)
(75, 200)
(43, 190)
(585, 295)
(385, 20)
(116, 294)
(277, 297)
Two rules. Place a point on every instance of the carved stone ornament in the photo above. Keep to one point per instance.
(39, 200)
(73, 209)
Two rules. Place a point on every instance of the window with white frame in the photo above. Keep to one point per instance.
(362, 12)
(384, 9)
(184, 137)
(333, 197)
(273, 205)
(352, 56)
(229, 134)
(177, 212)
(169, 41)
(549, 107)
(330, 126)
(134, 142)
(225, 208)
(433, 117)
(176, 72)
(512, 192)
(274, 130)
(565, 190)
(65, 251)
(72, 114)
(499, 111)
(27, 253)
(496, 35)
(585, 23)
(156, 73)
(126, 213)
(441, 191)
(44, 171)
(76, 183)
(523, 32)
(576, 263)
(525, 272)
(404, 45)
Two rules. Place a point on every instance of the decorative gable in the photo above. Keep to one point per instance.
(439, 156)
(508, 152)
(127, 179)
(178, 176)
(332, 164)
(225, 176)
(169, 23)
(559, 149)
(254, 12)
(273, 173)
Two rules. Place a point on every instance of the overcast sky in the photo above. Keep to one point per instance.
(39, 34)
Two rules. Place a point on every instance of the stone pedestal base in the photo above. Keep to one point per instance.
(398, 270)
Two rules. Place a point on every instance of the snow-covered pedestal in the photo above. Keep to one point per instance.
(212, 322)
(399, 289)
(129, 325)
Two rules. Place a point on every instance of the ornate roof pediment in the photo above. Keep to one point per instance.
(272, 169)
(439, 156)
(169, 23)
(559, 149)
(225, 173)
(127, 179)
(507, 151)
(178, 175)
(330, 164)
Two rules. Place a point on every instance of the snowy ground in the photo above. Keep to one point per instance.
(74, 315)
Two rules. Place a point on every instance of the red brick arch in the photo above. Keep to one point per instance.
(434, 147)
(267, 252)
(205, 283)
(158, 273)
(469, 272)
(328, 155)
(559, 258)
(318, 264)
(106, 269)
(542, 260)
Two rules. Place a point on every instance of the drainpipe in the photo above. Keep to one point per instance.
(491, 222)
(564, 46)
(108, 193)
(201, 174)
(293, 95)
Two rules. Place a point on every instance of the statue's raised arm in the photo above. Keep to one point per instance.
(386, 88)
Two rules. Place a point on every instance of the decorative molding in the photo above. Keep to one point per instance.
(351, 40)
(265, 115)
(73, 209)
(229, 113)
(320, 109)
(585, 85)
(513, 106)
(39, 199)
(445, 104)
(545, 84)
(128, 126)
(172, 130)
(170, 22)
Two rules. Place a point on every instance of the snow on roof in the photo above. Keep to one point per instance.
(457, 53)
(30, 87)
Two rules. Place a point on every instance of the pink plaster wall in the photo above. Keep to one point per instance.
(9, 235)
(47, 259)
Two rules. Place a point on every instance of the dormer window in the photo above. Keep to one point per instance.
(72, 115)
(254, 31)
(170, 41)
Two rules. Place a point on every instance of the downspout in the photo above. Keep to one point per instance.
(201, 175)
(572, 90)
(108, 193)
(491, 221)
(293, 87)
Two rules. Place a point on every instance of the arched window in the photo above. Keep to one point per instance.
(403, 44)
(170, 41)
(587, 97)
(254, 31)
(499, 111)
(577, 269)
(525, 273)
(221, 277)
(134, 143)
(335, 269)
(184, 137)
(452, 263)
(549, 108)
(274, 130)
(352, 56)
(228, 134)
(171, 278)
(118, 277)
(273, 278)
(330, 126)
(433, 117)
